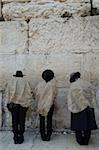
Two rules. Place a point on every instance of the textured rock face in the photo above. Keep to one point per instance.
(7, 1)
(73, 35)
(96, 7)
(96, 3)
(55, 35)
(45, 9)
(0, 8)
(0, 110)
(13, 37)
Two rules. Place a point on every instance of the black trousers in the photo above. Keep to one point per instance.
(43, 130)
(83, 137)
(18, 118)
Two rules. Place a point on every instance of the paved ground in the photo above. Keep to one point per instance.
(58, 142)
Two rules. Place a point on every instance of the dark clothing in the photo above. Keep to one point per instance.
(44, 135)
(18, 119)
(82, 137)
(84, 120)
(82, 123)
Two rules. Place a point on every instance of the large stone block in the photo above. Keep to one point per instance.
(59, 35)
(77, 1)
(34, 64)
(13, 37)
(45, 9)
(1, 109)
(7, 1)
(61, 118)
(8, 66)
(90, 69)
(96, 68)
(97, 115)
(0, 8)
(96, 3)
(95, 33)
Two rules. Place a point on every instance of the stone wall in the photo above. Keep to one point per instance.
(62, 35)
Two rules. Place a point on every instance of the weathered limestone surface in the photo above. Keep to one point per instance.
(13, 37)
(96, 3)
(33, 65)
(59, 35)
(45, 9)
(1, 109)
(55, 38)
(0, 8)
(7, 1)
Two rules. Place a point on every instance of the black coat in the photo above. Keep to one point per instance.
(84, 120)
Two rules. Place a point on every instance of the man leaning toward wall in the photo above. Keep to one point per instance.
(81, 103)
(46, 95)
(19, 96)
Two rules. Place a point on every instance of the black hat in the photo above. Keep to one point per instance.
(18, 74)
(74, 76)
(48, 75)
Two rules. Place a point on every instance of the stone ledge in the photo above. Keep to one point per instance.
(43, 9)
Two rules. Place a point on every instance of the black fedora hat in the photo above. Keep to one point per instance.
(18, 74)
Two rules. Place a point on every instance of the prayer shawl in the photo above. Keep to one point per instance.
(81, 94)
(45, 94)
(18, 91)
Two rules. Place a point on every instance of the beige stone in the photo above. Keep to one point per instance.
(13, 37)
(90, 69)
(0, 8)
(95, 33)
(0, 109)
(96, 3)
(44, 9)
(59, 35)
(7, 1)
(34, 64)
(97, 115)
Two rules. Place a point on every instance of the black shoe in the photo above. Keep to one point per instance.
(43, 139)
(16, 142)
(80, 142)
(47, 138)
(20, 139)
(15, 139)
(85, 141)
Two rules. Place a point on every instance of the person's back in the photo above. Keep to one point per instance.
(19, 97)
(46, 92)
(84, 92)
(19, 91)
(46, 95)
(81, 102)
